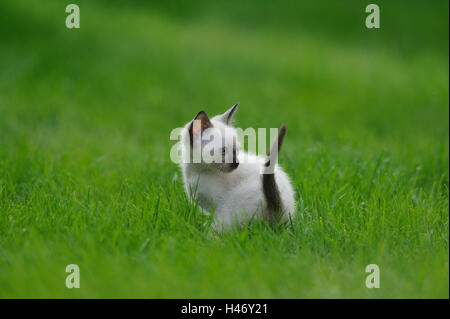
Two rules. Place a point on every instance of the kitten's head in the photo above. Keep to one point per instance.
(215, 139)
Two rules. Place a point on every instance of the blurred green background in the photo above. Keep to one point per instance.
(85, 173)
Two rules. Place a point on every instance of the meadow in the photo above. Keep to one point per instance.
(86, 177)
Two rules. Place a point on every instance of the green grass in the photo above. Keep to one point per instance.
(85, 173)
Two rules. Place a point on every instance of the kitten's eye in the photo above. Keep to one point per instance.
(223, 150)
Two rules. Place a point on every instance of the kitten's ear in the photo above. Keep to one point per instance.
(200, 123)
(227, 117)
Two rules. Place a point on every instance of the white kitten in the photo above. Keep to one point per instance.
(231, 183)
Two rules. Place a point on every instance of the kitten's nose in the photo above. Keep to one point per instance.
(235, 164)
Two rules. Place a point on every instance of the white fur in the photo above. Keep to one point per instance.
(234, 196)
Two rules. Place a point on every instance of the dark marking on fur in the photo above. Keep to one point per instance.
(270, 189)
(191, 137)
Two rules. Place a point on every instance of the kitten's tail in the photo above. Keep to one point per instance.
(270, 189)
